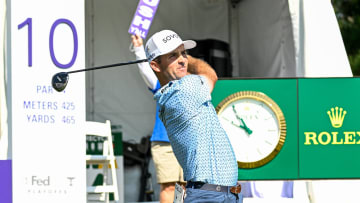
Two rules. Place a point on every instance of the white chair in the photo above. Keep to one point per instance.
(101, 193)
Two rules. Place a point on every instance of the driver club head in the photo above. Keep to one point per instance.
(59, 81)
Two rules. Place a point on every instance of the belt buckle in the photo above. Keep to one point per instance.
(236, 189)
(218, 188)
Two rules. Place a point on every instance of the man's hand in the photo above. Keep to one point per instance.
(136, 40)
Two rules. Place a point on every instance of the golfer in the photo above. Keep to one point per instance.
(199, 142)
(168, 170)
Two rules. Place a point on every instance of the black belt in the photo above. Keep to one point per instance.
(212, 187)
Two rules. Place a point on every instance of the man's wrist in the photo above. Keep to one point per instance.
(139, 48)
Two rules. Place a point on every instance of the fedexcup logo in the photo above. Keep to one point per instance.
(45, 185)
(336, 117)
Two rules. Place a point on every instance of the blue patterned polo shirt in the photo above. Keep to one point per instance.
(199, 142)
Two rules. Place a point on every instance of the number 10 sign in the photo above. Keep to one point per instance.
(48, 144)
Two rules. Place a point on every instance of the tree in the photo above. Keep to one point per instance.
(348, 16)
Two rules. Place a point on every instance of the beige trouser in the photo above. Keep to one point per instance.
(167, 167)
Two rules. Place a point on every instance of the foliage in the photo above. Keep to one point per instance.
(354, 60)
(348, 16)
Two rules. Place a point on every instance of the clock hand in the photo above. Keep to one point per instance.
(242, 121)
(236, 115)
(240, 126)
(232, 122)
(247, 129)
(236, 125)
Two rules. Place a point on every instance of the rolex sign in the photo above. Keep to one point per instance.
(322, 131)
(329, 130)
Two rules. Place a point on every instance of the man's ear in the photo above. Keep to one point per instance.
(155, 66)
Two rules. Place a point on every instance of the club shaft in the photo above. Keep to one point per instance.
(108, 66)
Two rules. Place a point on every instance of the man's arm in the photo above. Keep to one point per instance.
(200, 67)
(145, 70)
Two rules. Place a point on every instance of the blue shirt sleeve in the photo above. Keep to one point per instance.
(156, 88)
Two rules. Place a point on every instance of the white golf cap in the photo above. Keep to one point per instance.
(164, 42)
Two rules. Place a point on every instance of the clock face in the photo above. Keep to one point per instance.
(255, 126)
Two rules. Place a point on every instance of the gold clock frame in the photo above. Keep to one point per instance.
(279, 116)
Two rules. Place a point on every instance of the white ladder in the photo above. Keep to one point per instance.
(101, 193)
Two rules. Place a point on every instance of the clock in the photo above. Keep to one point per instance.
(255, 126)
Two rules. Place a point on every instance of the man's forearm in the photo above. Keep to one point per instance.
(200, 67)
(145, 70)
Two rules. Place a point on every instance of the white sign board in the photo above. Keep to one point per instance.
(48, 144)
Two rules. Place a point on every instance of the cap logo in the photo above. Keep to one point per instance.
(169, 37)
(151, 56)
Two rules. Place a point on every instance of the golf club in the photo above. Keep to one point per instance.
(60, 80)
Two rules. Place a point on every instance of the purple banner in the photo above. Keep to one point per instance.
(5, 181)
(143, 17)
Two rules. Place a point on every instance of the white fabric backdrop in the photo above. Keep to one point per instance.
(324, 51)
(265, 40)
